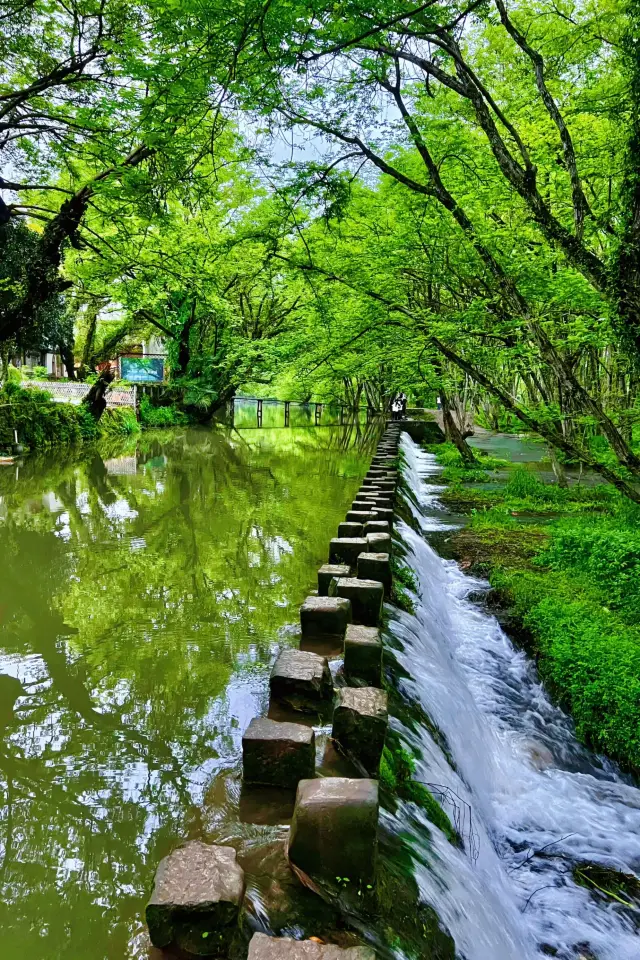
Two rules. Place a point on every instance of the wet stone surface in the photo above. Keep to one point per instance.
(325, 616)
(301, 679)
(365, 597)
(346, 549)
(196, 899)
(278, 754)
(280, 948)
(328, 572)
(363, 655)
(334, 831)
(360, 724)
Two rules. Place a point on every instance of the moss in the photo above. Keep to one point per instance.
(608, 884)
(397, 768)
(403, 581)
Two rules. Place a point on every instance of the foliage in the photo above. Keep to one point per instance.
(39, 421)
(119, 422)
(403, 584)
(160, 416)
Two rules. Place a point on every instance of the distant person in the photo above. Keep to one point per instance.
(438, 403)
(403, 405)
(396, 408)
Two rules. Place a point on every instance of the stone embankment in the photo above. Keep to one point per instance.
(197, 900)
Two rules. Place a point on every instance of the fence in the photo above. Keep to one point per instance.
(69, 392)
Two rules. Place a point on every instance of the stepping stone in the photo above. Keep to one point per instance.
(378, 543)
(325, 616)
(278, 754)
(349, 529)
(360, 721)
(346, 549)
(366, 597)
(375, 566)
(383, 513)
(363, 654)
(359, 516)
(263, 947)
(302, 680)
(328, 572)
(334, 830)
(387, 484)
(377, 526)
(196, 899)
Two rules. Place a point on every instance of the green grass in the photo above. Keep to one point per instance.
(574, 584)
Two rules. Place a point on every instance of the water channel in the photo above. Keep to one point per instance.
(143, 598)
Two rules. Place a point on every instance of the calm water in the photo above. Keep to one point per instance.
(143, 598)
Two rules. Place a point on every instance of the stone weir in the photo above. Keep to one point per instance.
(197, 900)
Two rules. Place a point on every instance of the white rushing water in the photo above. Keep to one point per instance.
(539, 801)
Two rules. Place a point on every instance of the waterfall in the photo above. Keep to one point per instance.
(532, 800)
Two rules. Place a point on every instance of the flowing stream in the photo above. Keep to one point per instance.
(531, 800)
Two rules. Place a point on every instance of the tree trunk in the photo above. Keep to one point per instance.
(66, 352)
(96, 400)
(454, 434)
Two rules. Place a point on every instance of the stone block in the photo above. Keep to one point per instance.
(383, 513)
(334, 831)
(386, 484)
(365, 596)
(278, 754)
(377, 526)
(346, 549)
(196, 899)
(302, 680)
(349, 529)
(326, 574)
(325, 616)
(363, 654)
(378, 543)
(360, 722)
(263, 947)
(375, 566)
(359, 516)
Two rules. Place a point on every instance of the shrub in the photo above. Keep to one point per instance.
(168, 416)
(39, 421)
(121, 422)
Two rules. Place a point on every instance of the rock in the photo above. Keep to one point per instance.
(366, 597)
(278, 754)
(327, 572)
(263, 947)
(334, 831)
(196, 899)
(349, 529)
(378, 543)
(325, 616)
(360, 516)
(384, 513)
(346, 549)
(302, 680)
(363, 654)
(360, 722)
(375, 566)
(386, 484)
(376, 526)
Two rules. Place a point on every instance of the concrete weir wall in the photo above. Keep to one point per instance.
(198, 896)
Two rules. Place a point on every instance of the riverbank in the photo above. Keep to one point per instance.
(564, 565)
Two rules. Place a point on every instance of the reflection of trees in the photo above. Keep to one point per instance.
(126, 632)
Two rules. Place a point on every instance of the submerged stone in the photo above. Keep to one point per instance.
(363, 655)
(263, 947)
(334, 831)
(325, 616)
(375, 566)
(360, 722)
(328, 572)
(346, 549)
(196, 899)
(278, 754)
(302, 680)
(365, 596)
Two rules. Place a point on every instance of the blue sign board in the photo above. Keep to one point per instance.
(142, 369)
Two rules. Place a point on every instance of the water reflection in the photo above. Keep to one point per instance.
(143, 596)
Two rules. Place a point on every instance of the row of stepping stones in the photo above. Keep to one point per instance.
(334, 830)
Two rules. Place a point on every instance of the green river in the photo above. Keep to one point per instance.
(143, 597)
